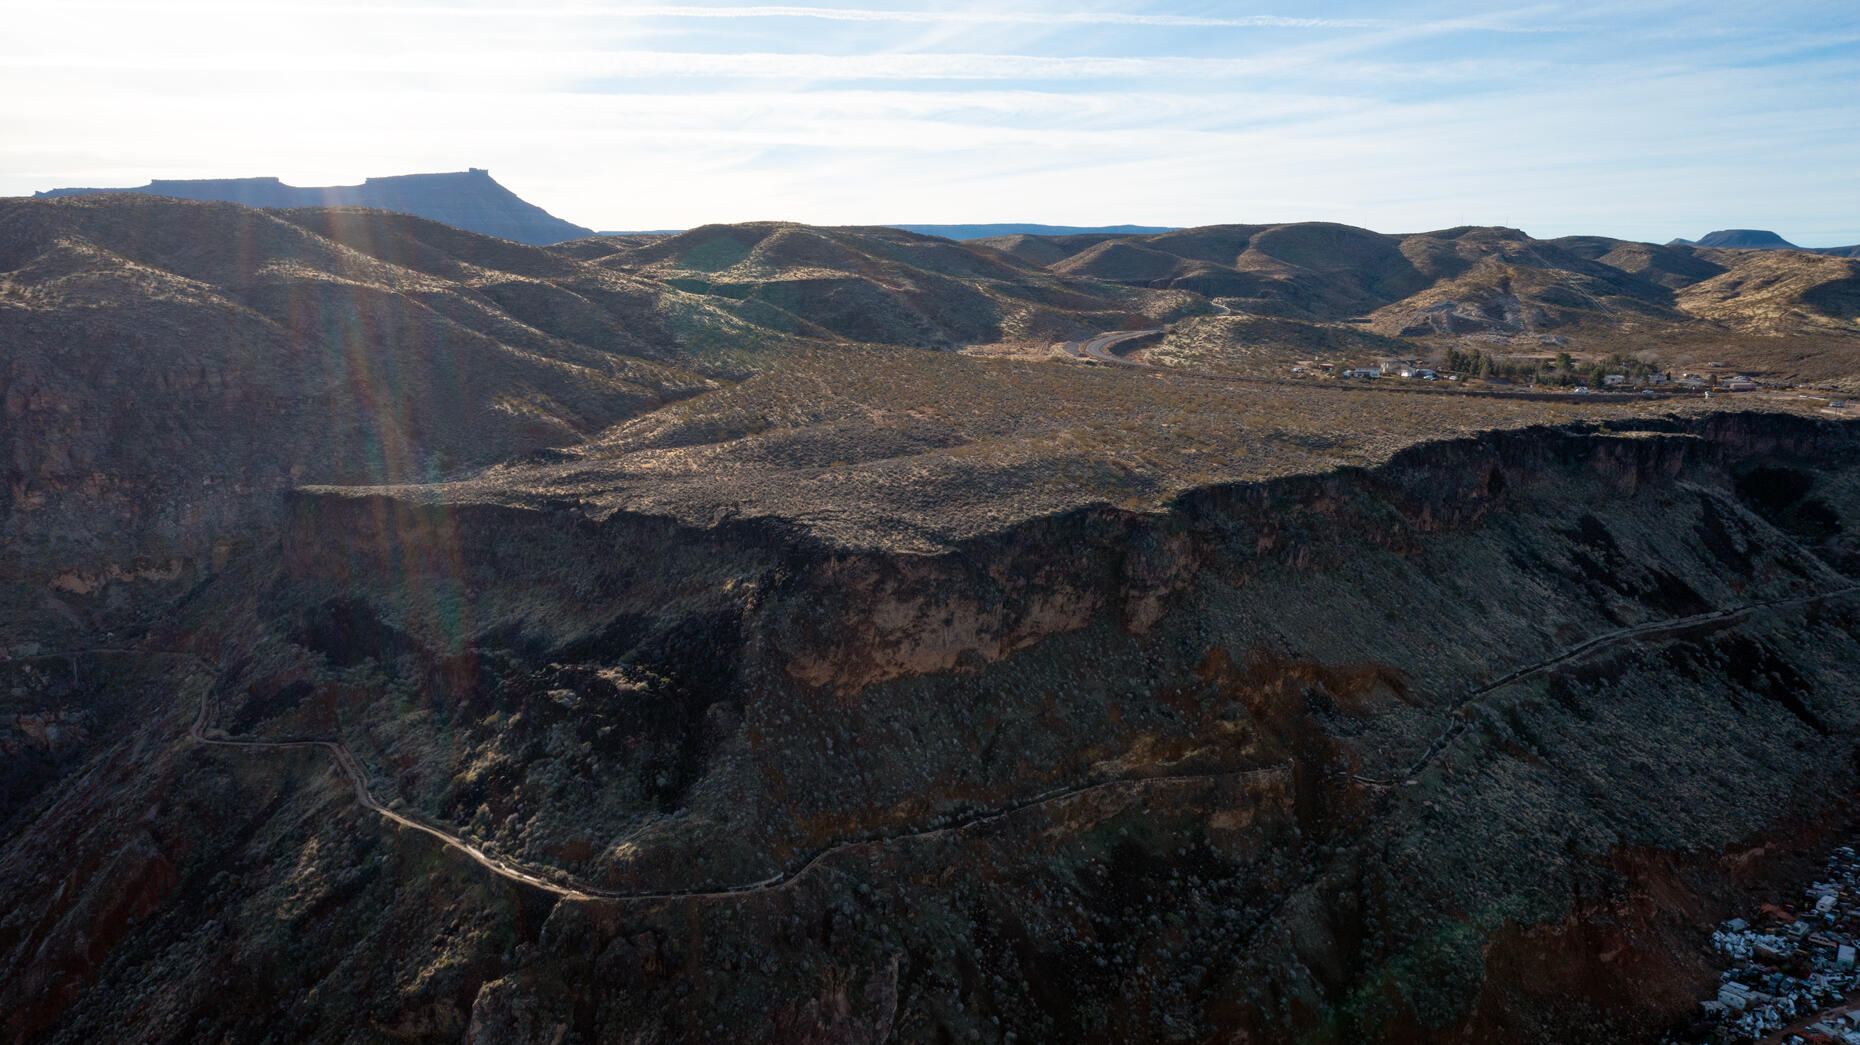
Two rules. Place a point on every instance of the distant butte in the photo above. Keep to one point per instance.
(467, 199)
(1759, 239)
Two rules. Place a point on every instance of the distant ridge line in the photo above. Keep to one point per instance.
(469, 199)
(968, 232)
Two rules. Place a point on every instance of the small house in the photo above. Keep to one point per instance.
(1612, 380)
(1364, 372)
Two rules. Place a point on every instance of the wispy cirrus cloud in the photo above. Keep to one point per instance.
(1645, 118)
(630, 64)
(1000, 16)
(996, 16)
(1007, 16)
(598, 71)
(1491, 22)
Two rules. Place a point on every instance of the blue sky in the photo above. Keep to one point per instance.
(1631, 119)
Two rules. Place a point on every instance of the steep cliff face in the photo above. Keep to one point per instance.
(1478, 742)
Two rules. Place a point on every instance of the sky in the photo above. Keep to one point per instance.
(1641, 120)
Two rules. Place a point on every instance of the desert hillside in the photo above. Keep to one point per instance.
(777, 633)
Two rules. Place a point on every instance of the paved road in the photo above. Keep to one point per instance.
(1099, 348)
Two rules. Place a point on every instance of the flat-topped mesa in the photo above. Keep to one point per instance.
(1760, 239)
(468, 199)
(1757, 239)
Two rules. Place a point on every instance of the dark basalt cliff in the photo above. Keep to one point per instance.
(468, 200)
(1472, 745)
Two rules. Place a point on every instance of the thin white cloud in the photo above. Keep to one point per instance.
(597, 71)
(1057, 18)
(629, 64)
(1384, 126)
(1484, 23)
(834, 14)
(998, 17)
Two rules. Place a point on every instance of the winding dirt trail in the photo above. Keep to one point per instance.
(567, 888)
(1673, 625)
(560, 884)
(1389, 791)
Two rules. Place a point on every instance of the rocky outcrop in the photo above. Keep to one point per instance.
(1475, 743)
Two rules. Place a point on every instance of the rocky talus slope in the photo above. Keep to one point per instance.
(1256, 766)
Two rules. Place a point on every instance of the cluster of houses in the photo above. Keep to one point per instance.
(1409, 370)
(1419, 372)
(1792, 965)
(1739, 383)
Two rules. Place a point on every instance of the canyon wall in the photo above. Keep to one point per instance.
(1478, 743)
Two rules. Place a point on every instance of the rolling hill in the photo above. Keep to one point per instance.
(968, 232)
(767, 633)
(876, 284)
(1594, 292)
